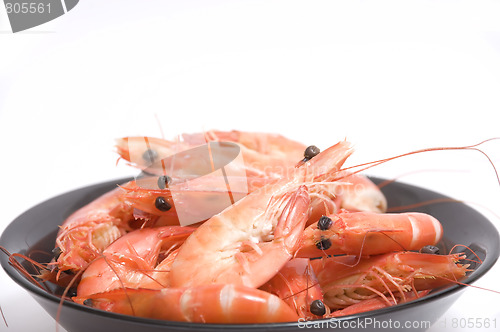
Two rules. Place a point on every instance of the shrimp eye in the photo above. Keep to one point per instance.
(72, 292)
(317, 308)
(56, 252)
(162, 204)
(429, 250)
(163, 181)
(324, 223)
(150, 156)
(323, 244)
(88, 302)
(311, 151)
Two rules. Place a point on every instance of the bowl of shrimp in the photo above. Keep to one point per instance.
(308, 243)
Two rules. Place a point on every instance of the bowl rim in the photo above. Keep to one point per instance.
(15, 275)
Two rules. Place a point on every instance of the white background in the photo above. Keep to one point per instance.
(390, 76)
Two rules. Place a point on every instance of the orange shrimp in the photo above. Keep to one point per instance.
(156, 202)
(92, 228)
(249, 242)
(142, 152)
(359, 194)
(134, 260)
(297, 285)
(216, 303)
(89, 230)
(346, 280)
(265, 155)
(369, 233)
(353, 192)
(192, 185)
(257, 158)
(195, 200)
(266, 158)
(248, 250)
(272, 154)
(376, 303)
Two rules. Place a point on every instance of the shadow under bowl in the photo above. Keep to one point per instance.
(33, 234)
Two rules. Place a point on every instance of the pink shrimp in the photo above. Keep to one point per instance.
(272, 154)
(353, 192)
(230, 304)
(265, 155)
(134, 260)
(186, 176)
(346, 280)
(360, 194)
(201, 198)
(297, 285)
(266, 159)
(369, 233)
(376, 303)
(90, 229)
(248, 243)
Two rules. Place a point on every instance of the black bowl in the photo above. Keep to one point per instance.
(33, 234)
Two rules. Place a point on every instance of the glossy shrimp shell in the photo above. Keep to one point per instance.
(260, 240)
(377, 303)
(297, 285)
(203, 304)
(89, 230)
(227, 250)
(134, 260)
(266, 156)
(369, 233)
(346, 280)
(249, 242)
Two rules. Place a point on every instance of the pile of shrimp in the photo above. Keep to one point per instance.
(307, 240)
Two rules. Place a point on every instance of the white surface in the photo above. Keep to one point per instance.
(388, 76)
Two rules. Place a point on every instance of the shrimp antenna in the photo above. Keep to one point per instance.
(300, 291)
(19, 267)
(3, 316)
(425, 203)
(383, 232)
(63, 296)
(469, 285)
(474, 147)
(121, 283)
(394, 179)
(466, 247)
(159, 126)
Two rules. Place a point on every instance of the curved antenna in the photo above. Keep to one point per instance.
(159, 126)
(474, 147)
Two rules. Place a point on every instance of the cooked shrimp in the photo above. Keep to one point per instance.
(134, 260)
(346, 280)
(369, 233)
(230, 304)
(297, 285)
(265, 155)
(353, 192)
(249, 242)
(89, 230)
